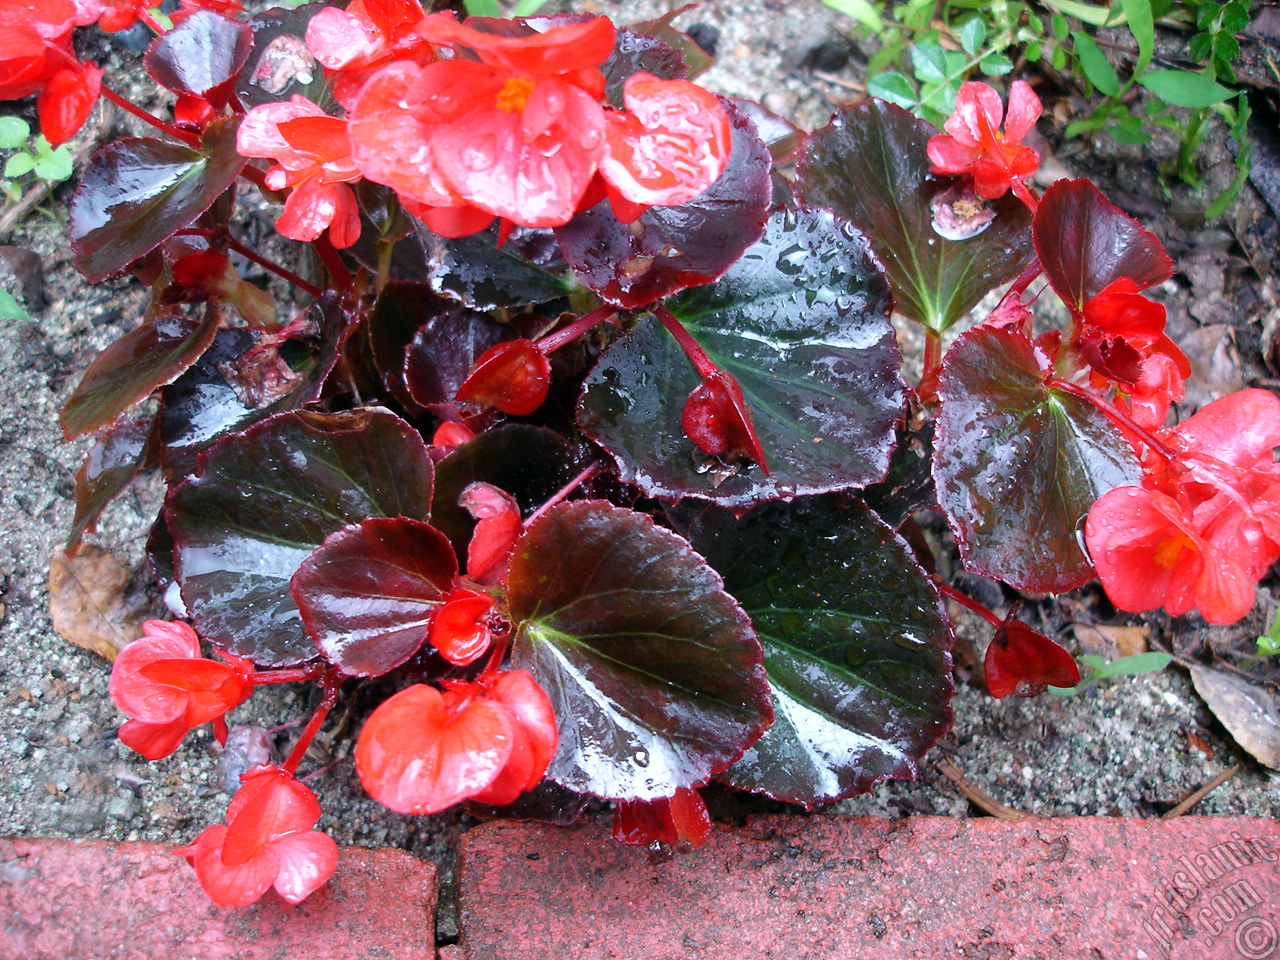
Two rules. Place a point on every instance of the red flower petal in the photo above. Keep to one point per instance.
(134, 693)
(949, 156)
(154, 740)
(1242, 428)
(422, 751)
(1024, 110)
(513, 376)
(458, 630)
(560, 50)
(679, 821)
(496, 533)
(226, 884)
(717, 418)
(66, 100)
(305, 862)
(1021, 661)
(211, 688)
(270, 804)
(670, 146)
(978, 108)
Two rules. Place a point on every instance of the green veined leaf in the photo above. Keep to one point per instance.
(13, 132)
(972, 35)
(1184, 89)
(893, 87)
(1095, 64)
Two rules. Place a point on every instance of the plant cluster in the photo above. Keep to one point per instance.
(583, 445)
(926, 54)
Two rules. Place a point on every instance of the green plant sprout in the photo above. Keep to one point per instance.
(38, 160)
(926, 51)
(1269, 642)
(1149, 662)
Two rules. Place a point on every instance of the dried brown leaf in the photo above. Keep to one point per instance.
(1250, 713)
(90, 601)
(1111, 642)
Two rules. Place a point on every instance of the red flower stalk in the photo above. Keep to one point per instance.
(314, 157)
(974, 145)
(679, 822)
(424, 750)
(1203, 528)
(267, 841)
(167, 687)
(36, 57)
(1023, 662)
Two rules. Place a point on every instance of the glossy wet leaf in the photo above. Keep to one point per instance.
(1018, 464)
(1085, 244)
(530, 463)
(108, 470)
(133, 367)
(632, 636)
(444, 349)
(671, 248)
(137, 192)
(264, 499)
(870, 167)
(634, 52)
(856, 645)
(202, 56)
(475, 270)
(801, 320)
(281, 65)
(368, 592)
(206, 403)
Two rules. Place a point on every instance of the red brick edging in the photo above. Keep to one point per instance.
(90, 900)
(848, 889)
(781, 887)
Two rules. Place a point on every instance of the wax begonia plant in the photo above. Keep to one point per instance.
(582, 443)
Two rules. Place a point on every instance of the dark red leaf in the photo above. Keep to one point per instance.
(133, 367)
(1085, 244)
(136, 193)
(369, 590)
(108, 470)
(202, 56)
(670, 248)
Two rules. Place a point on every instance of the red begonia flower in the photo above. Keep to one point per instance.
(498, 527)
(458, 628)
(1148, 554)
(974, 145)
(534, 728)
(267, 841)
(314, 157)
(513, 376)
(352, 43)
(1242, 429)
(424, 750)
(1023, 662)
(670, 145)
(36, 57)
(450, 434)
(167, 687)
(518, 134)
(717, 418)
(679, 822)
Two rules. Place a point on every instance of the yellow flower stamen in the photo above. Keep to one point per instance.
(514, 94)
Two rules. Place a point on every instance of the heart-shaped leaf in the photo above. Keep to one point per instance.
(368, 592)
(869, 165)
(1018, 464)
(632, 636)
(484, 276)
(108, 470)
(202, 56)
(281, 65)
(208, 401)
(855, 641)
(131, 368)
(801, 320)
(530, 463)
(670, 248)
(136, 193)
(1085, 244)
(633, 53)
(264, 499)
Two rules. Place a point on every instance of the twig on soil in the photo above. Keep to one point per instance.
(840, 81)
(979, 797)
(1195, 796)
